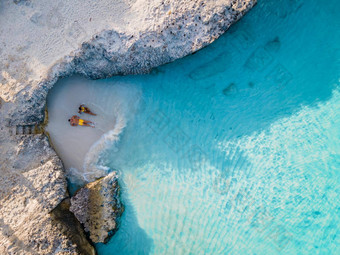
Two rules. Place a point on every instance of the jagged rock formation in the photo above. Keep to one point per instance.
(68, 225)
(98, 207)
(32, 184)
(40, 43)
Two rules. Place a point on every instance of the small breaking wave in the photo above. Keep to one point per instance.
(92, 169)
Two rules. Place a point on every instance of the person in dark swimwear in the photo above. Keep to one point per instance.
(83, 109)
(75, 121)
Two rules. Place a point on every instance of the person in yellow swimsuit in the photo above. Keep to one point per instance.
(75, 121)
(83, 109)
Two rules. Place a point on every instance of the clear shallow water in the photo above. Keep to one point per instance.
(233, 150)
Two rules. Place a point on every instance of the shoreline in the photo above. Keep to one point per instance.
(108, 53)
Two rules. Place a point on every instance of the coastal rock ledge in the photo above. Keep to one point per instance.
(97, 206)
(42, 42)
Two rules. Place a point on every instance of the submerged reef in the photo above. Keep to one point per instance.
(45, 42)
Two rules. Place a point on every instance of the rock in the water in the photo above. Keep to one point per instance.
(97, 205)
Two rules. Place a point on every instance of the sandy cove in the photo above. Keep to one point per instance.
(41, 42)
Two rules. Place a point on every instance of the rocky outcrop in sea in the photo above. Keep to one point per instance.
(98, 207)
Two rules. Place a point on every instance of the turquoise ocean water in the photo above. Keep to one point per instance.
(236, 149)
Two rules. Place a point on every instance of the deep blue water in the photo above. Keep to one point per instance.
(236, 149)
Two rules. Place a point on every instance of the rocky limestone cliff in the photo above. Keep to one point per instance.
(98, 207)
(32, 184)
(157, 32)
(41, 42)
(69, 226)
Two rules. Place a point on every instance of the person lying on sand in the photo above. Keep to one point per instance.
(83, 108)
(75, 121)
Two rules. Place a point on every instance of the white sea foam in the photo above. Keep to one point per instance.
(92, 169)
